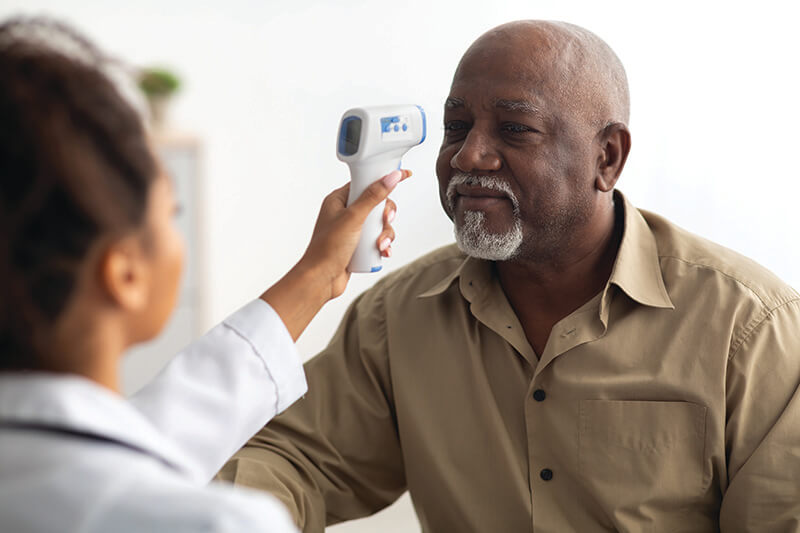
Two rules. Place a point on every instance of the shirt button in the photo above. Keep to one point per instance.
(546, 474)
(539, 395)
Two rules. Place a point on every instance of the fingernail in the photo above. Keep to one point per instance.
(392, 178)
(391, 216)
(388, 252)
(384, 244)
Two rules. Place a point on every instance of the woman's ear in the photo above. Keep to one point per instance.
(125, 274)
(615, 144)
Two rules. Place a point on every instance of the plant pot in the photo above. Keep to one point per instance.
(159, 106)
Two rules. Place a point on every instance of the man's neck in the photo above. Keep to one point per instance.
(544, 292)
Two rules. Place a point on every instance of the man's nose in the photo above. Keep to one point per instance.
(477, 153)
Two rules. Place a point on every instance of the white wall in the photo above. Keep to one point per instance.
(715, 116)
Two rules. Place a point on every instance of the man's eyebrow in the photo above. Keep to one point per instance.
(453, 102)
(521, 106)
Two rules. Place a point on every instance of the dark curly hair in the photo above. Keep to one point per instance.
(74, 166)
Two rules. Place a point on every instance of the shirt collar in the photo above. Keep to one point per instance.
(76, 404)
(637, 270)
(472, 274)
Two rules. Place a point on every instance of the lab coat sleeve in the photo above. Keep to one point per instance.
(175, 508)
(335, 455)
(224, 387)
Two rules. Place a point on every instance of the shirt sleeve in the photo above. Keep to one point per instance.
(224, 387)
(763, 427)
(335, 455)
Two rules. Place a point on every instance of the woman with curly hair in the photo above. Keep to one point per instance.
(90, 261)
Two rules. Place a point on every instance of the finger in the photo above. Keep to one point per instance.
(376, 193)
(333, 204)
(339, 196)
(386, 238)
(389, 212)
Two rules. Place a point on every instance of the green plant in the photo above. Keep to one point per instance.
(158, 82)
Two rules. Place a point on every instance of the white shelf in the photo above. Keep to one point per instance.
(181, 155)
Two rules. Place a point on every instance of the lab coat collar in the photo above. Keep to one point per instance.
(77, 405)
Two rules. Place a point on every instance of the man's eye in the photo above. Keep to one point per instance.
(455, 126)
(513, 127)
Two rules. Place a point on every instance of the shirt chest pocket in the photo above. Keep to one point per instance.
(635, 455)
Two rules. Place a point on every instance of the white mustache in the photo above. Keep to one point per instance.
(487, 182)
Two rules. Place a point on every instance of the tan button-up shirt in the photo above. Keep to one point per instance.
(669, 402)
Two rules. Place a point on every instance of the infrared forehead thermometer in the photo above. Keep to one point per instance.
(372, 141)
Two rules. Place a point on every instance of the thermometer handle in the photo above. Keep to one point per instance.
(367, 257)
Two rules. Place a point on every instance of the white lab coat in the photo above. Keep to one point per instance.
(74, 457)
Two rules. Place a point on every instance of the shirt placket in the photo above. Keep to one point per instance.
(549, 478)
(489, 305)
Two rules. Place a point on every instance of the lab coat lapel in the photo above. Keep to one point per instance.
(72, 404)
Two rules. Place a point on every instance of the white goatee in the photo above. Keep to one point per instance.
(472, 236)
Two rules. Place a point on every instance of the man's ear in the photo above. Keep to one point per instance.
(615, 144)
(125, 273)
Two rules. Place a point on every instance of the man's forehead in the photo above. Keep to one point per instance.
(508, 76)
(506, 65)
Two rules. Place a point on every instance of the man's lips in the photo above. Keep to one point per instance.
(473, 191)
(476, 198)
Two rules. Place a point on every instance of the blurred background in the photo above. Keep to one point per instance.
(249, 136)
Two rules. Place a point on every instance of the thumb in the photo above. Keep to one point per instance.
(376, 193)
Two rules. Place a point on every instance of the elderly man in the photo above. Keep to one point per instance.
(574, 364)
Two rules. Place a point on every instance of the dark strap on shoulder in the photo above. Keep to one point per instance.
(77, 434)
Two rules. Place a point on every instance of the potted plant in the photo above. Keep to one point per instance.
(158, 85)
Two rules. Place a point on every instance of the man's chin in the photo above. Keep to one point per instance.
(475, 240)
(487, 255)
(498, 218)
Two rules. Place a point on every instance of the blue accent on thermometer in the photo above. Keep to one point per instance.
(349, 135)
(424, 124)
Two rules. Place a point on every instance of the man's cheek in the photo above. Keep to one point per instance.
(443, 200)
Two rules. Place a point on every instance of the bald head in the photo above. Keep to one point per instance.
(562, 61)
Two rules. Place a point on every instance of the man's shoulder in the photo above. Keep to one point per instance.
(678, 247)
(424, 272)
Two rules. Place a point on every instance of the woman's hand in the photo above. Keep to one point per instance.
(338, 230)
(321, 274)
